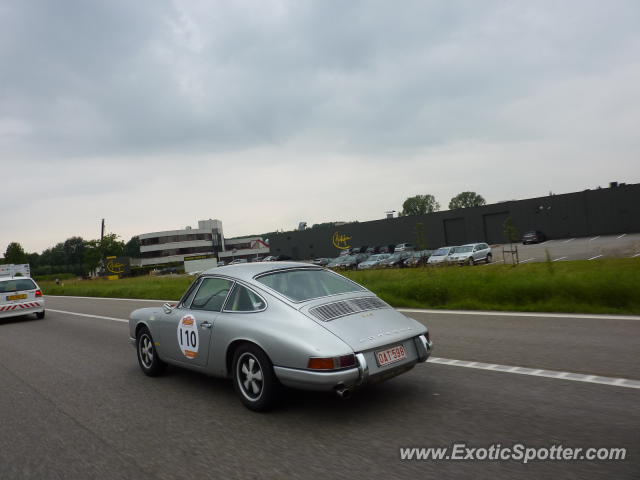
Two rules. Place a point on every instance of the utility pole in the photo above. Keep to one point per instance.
(102, 231)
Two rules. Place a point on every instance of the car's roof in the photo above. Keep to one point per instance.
(472, 244)
(2, 279)
(246, 271)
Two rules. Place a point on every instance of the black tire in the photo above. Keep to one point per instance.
(40, 315)
(471, 262)
(148, 358)
(254, 379)
(489, 258)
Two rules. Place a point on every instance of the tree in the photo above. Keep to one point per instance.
(97, 250)
(419, 205)
(466, 199)
(15, 253)
(132, 248)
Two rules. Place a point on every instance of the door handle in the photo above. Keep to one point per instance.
(206, 325)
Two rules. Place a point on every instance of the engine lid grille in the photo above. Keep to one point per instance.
(331, 311)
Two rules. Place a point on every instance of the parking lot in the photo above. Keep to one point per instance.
(565, 249)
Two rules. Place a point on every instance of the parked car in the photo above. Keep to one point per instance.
(395, 260)
(418, 258)
(345, 252)
(440, 256)
(387, 248)
(470, 254)
(262, 316)
(221, 263)
(350, 262)
(533, 236)
(403, 247)
(355, 250)
(373, 261)
(334, 262)
(320, 261)
(237, 261)
(269, 258)
(20, 296)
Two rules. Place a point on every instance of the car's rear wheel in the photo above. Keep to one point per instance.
(148, 358)
(254, 379)
(40, 315)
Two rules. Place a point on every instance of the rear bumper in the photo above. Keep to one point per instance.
(352, 377)
(22, 308)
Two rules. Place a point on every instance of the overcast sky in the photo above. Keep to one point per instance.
(154, 114)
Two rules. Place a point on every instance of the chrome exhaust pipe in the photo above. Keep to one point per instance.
(343, 392)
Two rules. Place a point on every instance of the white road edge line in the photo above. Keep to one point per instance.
(597, 256)
(567, 241)
(527, 260)
(569, 376)
(575, 377)
(620, 236)
(594, 238)
(493, 313)
(636, 255)
(559, 258)
(113, 319)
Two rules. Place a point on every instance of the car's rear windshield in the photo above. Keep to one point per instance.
(301, 285)
(17, 285)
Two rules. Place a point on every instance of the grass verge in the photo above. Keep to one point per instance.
(603, 286)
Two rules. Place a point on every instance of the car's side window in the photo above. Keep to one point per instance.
(211, 294)
(242, 299)
(191, 293)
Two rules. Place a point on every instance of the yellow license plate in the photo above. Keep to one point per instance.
(17, 297)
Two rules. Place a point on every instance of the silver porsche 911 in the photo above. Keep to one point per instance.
(271, 324)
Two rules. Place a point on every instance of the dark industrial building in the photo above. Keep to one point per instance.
(592, 212)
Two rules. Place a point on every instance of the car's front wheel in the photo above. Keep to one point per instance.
(489, 258)
(471, 262)
(254, 379)
(148, 358)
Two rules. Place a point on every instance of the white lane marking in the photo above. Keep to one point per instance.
(575, 377)
(569, 376)
(620, 236)
(594, 238)
(89, 316)
(567, 241)
(492, 263)
(493, 313)
(111, 298)
(559, 258)
(597, 256)
(636, 255)
(527, 260)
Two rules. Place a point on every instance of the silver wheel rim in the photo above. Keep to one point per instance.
(145, 348)
(250, 377)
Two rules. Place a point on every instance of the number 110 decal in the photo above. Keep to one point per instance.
(188, 336)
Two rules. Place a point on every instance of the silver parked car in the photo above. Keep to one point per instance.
(470, 254)
(271, 324)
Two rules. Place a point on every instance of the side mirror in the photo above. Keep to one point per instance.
(167, 308)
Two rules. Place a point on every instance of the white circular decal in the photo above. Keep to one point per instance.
(188, 336)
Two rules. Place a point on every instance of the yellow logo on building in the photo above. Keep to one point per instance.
(341, 241)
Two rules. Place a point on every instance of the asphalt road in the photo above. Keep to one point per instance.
(74, 404)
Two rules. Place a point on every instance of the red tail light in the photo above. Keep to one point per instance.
(332, 363)
(38, 293)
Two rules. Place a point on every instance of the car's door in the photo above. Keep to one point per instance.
(186, 332)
